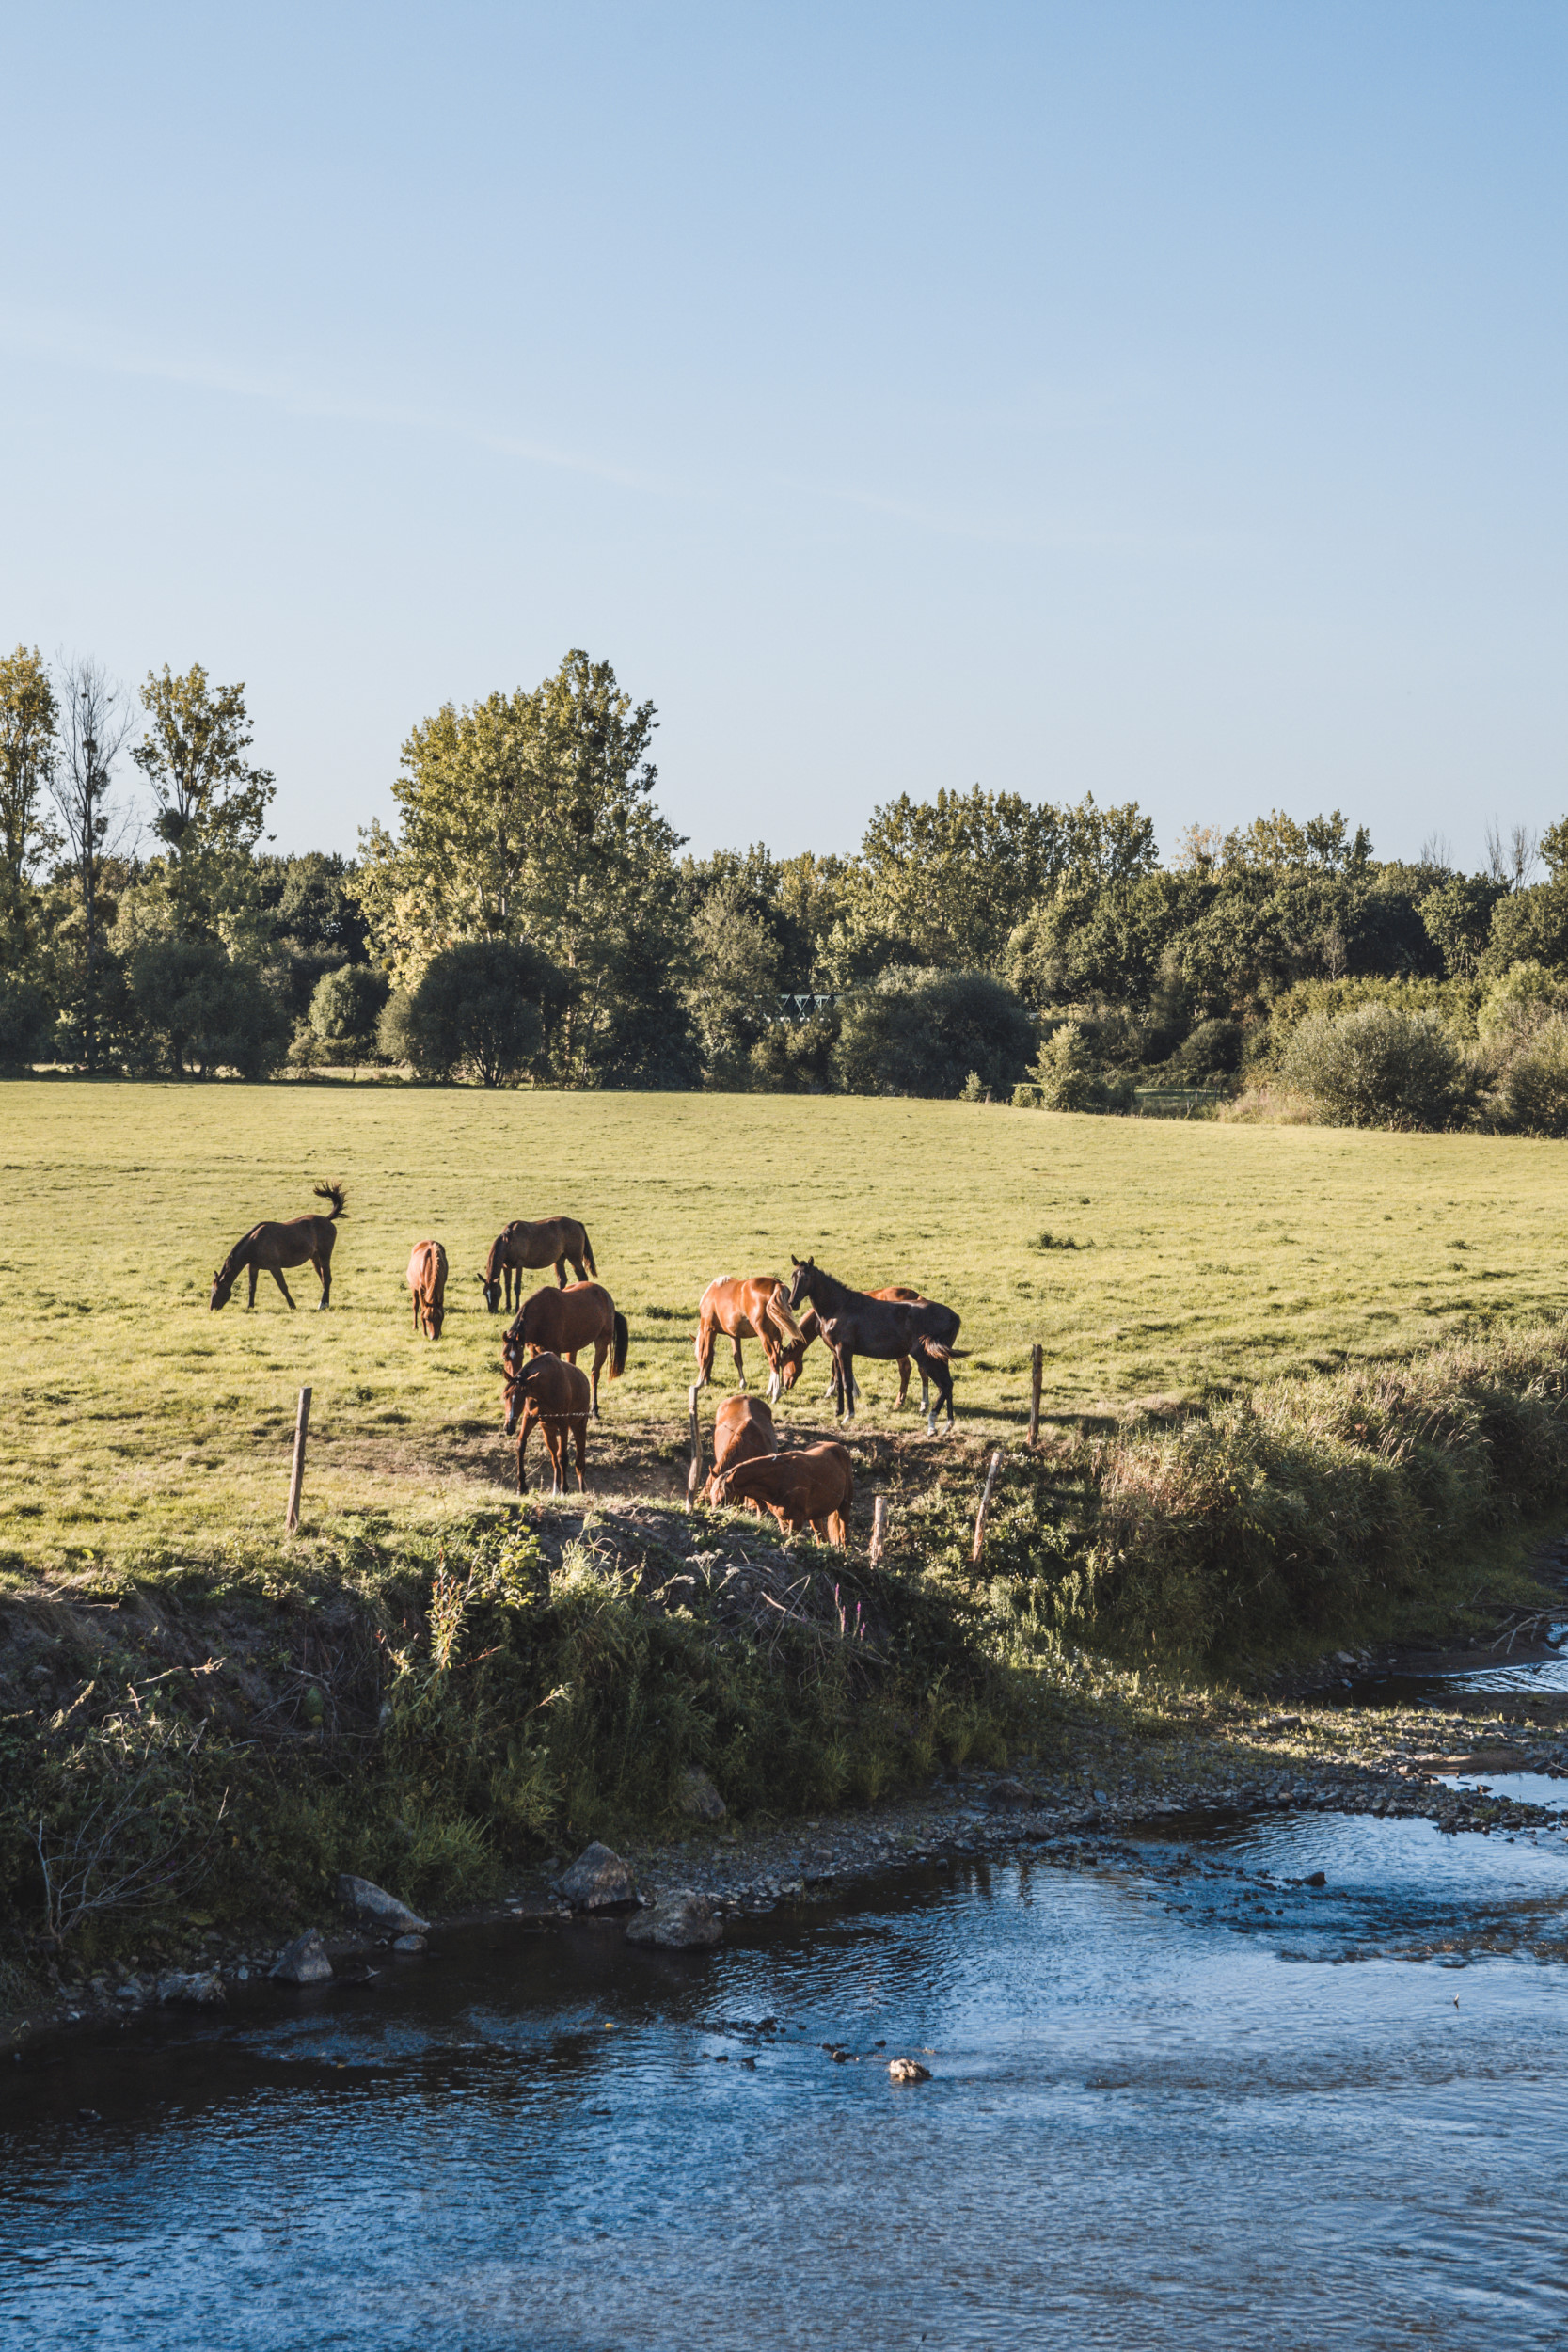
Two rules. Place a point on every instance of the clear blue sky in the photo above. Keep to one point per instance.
(1161, 400)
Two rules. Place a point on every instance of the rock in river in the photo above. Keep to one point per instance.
(375, 1904)
(700, 1800)
(909, 2070)
(679, 1922)
(598, 1880)
(304, 1960)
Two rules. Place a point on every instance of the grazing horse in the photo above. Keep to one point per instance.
(268, 1249)
(854, 1324)
(742, 1432)
(552, 1396)
(750, 1307)
(521, 1245)
(582, 1316)
(813, 1488)
(427, 1279)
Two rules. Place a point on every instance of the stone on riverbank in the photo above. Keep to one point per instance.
(304, 1960)
(1007, 1794)
(408, 1944)
(700, 1800)
(599, 1879)
(374, 1905)
(203, 1988)
(677, 1923)
(909, 2070)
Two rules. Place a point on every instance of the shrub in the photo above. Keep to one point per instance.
(1532, 1096)
(919, 1032)
(478, 1008)
(203, 1011)
(1212, 1050)
(345, 1006)
(27, 1019)
(1067, 1078)
(1518, 1003)
(1377, 1067)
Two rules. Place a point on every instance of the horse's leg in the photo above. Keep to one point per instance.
(846, 1383)
(943, 1379)
(601, 1349)
(523, 1428)
(552, 1447)
(704, 1353)
(771, 1350)
(903, 1384)
(740, 1366)
(323, 1267)
(580, 1436)
(278, 1278)
(255, 1270)
(561, 1274)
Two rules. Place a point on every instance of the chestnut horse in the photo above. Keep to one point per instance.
(750, 1307)
(268, 1249)
(854, 1324)
(813, 1488)
(520, 1246)
(552, 1396)
(427, 1279)
(742, 1432)
(582, 1316)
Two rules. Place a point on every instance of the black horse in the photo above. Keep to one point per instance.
(853, 1324)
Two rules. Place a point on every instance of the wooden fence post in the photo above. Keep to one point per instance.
(694, 1475)
(296, 1476)
(985, 1505)
(878, 1530)
(1036, 1381)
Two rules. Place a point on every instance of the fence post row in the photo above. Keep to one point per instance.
(993, 1467)
(296, 1476)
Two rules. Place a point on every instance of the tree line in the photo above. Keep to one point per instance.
(530, 916)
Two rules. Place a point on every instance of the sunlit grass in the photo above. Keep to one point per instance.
(134, 1423)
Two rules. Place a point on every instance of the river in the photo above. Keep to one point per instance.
(1177, 2098)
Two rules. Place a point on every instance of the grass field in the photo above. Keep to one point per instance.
(138, 1426)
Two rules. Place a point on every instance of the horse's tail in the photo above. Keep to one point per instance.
(924, 1347)
(588, 1256)
(338, 1198)
(776, 1309)
(622, 1341)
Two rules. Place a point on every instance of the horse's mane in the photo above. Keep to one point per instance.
(239, 1256)
(839, 1293)
(492, 1263)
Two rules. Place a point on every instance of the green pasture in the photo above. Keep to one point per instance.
(1183, 1258)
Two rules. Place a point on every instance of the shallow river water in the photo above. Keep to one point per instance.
(1177, 2098)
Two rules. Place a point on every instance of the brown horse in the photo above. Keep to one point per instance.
(519, 1244)
(854, 1324)
(742, 1432)
(750, 1307)
(582, 1316)
(812, 1326)
(552, 1396)
(268, 1249)
(427, 1279)
(813, 1488)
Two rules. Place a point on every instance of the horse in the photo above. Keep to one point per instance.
(750, 1307)
(268, 1249)
(814, 1487)
(427, 1279)
(582, 1316)
(854, 1324)
(520, 1246)
(811, 1326)
(742, 1432)
(552, 1396)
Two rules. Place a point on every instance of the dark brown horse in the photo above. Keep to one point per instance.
(854, 1324)
(811, 1328)
(520, 1246)
(552, 1396)
(582, 1316)
(268, 1249)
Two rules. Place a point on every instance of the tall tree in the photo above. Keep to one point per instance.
(95, 721)
(527, 816)
(29, 718)
(212, 803)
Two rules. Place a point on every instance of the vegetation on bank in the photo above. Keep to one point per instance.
(531, 919)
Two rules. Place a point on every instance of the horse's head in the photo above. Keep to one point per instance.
(492, 1291)
(223, 1283)
(800, 1279)
(433, 1316)
(515, 1393)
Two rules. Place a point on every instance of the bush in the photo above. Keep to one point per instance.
(26, 1020)
(1212, 1050)
(1532, 1097)
(919, 1032)
(201, 1011)
(345, 1006)
(1067, 1078)
(1519, 1003)
(479, 1008)
(1377, 1067)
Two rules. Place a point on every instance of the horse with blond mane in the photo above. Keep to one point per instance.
(751, 1306)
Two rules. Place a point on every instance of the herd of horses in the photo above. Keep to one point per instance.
(545, 1390)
